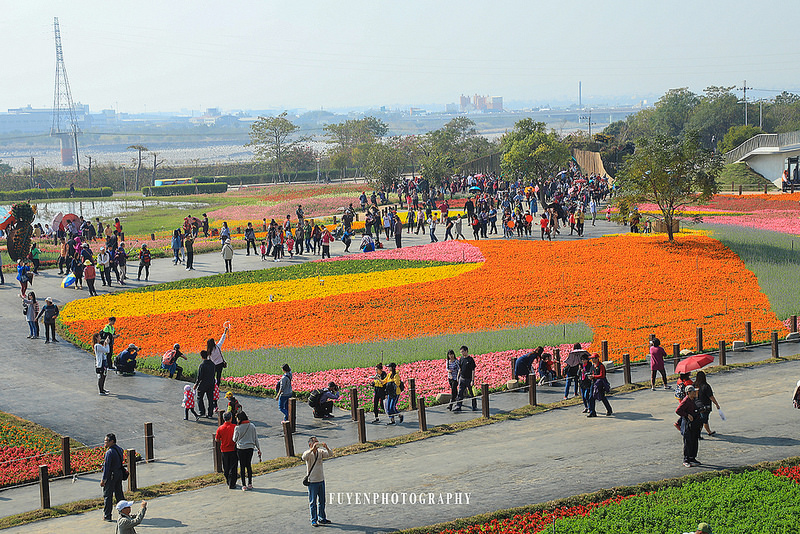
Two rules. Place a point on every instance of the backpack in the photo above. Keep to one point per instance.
(402, 386)
(314, 397)
(680, 390)
(24, 308)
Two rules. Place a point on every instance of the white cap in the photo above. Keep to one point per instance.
(121, 505)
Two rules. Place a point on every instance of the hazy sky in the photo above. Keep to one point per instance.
(248, 54)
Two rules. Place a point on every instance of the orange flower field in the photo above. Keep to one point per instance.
(624, 288)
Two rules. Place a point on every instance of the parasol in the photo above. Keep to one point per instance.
(475, 189)
(6, 219)
(57, 221)
(68, 281)
(692, 363)
(69, 217)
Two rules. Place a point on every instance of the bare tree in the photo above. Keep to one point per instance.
(141, 149)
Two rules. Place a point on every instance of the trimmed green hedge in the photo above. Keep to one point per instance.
(267, 178)
(184, 189)
(60, 192)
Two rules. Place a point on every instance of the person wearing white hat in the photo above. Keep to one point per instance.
(126, 523)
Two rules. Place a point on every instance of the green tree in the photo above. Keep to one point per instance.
(736, 135)
(783, 113)
(671, 173)
(717, 111)
(672, 111)
(383, 162)
(351, 140)
(529, 152)
(5, 168)
(271, 139)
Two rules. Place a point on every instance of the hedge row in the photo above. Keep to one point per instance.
(267, 178)
(184, 189)
(61, 192)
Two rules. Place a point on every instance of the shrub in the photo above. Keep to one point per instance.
(61, 192)
(184, 189)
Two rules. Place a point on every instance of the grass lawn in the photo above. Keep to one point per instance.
(740, 174)
(773, 257)
(349, 355)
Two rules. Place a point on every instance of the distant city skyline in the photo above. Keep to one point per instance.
(258, 55)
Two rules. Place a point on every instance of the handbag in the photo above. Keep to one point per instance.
(305, 478)
(125, 473)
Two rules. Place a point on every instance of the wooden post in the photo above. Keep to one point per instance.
(485, 399)
(217, 456)
(604, 347)
(774, 338)
(66, 466)
(132, 486)
(765, 189)
(149, 452)
(287, 438)
(626, 362)
(44, 487)
(362, 426)
(513, 367)
(532, 389)
(412, 392)
(699, 339)
(740, 190)
(152, 237)
(353, 405)
(221, 419)
(557, 357)
(293, 413)
(723, 356)
(676, 355)
(748, 333)
(423, 422)
(793, 323)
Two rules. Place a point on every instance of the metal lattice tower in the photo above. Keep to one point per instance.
(65, 120)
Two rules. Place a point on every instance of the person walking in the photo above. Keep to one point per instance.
(113, 475)
(246, 439)
(327, 239)
(585, 381)
(394, 386)
(657, 358)
(49, 312)
(23, 275)
(398, 231)
(176, 246)
(599, 387)
(31, 308)
(285, 392)
(101, 352)
(204, 385)
(315, 479)
(215, 353)
(378, 391)
(110, 333)
(432, 228)
(572, 365)
(705, 398)
(122, 263)
(90, 274)
(188, 242)
(451, 364)
(126, 523)
(230, 458)
(466, 376)
(144, 263)
(690, 426)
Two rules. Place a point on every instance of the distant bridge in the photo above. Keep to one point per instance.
(769, 154)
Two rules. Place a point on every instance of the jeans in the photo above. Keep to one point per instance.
(230, 461)
(251, 242)
(32, 326)
(316, 501)
(434, 239)
(391, 405)
(283, 406)
(571, 379)
(463, 390)
(175, 259)
(585, 394)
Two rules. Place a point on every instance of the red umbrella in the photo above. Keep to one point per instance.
(692, 363)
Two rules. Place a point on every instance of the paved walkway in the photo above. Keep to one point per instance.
(552, 455)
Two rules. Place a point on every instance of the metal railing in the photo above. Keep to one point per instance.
(762, 141)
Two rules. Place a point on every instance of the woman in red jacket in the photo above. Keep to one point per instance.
(599, 384)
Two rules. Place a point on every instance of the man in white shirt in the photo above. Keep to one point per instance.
(313, 457)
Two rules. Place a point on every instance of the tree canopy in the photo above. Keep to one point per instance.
(530, 152)
(271, 139)
(670, 172)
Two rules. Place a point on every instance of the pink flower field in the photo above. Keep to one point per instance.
(313, 207)
(493, 368)
(450, 251)
(774, 220)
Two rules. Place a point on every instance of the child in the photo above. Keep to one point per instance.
(234, 407)
(216, 397)
(290, 243)
(188, 403)
(608, 213)
(263, 251)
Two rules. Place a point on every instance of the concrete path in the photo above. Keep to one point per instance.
(552, 455)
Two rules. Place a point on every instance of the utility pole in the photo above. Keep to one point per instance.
(33, 165)
(744, 97)
(90, 170)
(588, 119)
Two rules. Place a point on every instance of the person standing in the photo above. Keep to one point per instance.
(327, 239)
(690, 426)
(126, 523)
(144, 263)
(657, 358)
(393, 385)
(122, 263)
(398, 231)
(230, 459)
(34, 253)
(204, 385)
(572, 366)
(451, 365)
(205, 225)
(109, 333)
(214, 350)
(227, 255)
(315, 478)
(113, 472)
(90, 274)
(246, 438)
(466, 376)
(188, 242)
(585, 381)
(432, 225)
(49, 312)
(285, 392)
(23, 275)
(593, 210)
(101, 352)
(104, 262)
(176, 246)
(599, 386)
(31, 309)
(705, 398)
(250, 237)
(378, 391)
